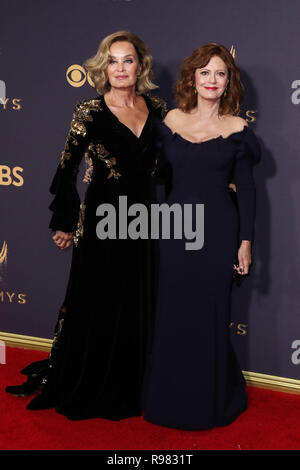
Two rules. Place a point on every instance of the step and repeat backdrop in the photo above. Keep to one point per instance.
(42, 48)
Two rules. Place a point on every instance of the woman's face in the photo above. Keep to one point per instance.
(123, 65)
(211, 80)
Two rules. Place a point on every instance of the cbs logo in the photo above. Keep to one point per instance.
(76, 76)
(10, 176)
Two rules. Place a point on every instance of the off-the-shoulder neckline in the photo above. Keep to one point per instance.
(245, 128)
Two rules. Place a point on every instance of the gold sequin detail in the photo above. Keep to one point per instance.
(79, 230)
(81, 115)
(78, 128)
(84, 108)
(100, 152)
(66, 155)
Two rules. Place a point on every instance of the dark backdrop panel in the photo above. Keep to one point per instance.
(39, 41)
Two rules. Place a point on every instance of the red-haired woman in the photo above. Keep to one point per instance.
(194, 380)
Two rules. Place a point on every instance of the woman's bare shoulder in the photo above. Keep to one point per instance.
(173, 117)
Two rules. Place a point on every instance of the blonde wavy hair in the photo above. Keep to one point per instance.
(97, 65)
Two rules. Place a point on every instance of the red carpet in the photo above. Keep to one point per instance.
(270, 423)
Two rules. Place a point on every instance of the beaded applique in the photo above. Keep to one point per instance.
(100, 152)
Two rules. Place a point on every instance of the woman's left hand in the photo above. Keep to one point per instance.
(244, 258)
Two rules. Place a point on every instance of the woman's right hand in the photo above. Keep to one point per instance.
(62, 239)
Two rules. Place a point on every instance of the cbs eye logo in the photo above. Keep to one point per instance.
(77, 76)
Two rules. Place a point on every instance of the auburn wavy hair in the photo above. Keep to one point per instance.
(97, 65)
(185, 87)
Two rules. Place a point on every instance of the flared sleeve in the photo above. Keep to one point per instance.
(66, 203)
(248, 155)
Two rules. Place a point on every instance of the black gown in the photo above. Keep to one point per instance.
(104, 330)
(193, 379)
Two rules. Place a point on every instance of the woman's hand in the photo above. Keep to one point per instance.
(244, 258)
(62, 239)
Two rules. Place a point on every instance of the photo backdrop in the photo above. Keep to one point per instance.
(42, 47)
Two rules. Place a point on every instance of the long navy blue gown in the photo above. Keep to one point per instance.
(194, 380)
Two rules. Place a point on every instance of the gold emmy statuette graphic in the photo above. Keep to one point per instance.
(250, 113)
(76, 76)
(232, 51)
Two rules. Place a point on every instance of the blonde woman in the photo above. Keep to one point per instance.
(104, 330)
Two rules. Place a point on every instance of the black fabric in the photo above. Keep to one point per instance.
(193, 378)
(104, 330)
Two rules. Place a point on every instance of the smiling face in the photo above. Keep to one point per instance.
(123, 65)
(211, 80)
